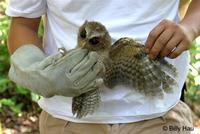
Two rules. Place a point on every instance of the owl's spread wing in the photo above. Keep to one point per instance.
(132, 67)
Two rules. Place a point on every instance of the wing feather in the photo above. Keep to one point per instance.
(132, 67)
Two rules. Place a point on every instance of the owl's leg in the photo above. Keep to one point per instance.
(86, 103)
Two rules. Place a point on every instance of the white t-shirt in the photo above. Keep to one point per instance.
(131, 18)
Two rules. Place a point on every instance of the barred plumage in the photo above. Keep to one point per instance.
(137, 70)
(86, 103)
(126, 63)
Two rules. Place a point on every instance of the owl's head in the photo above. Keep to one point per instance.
(93, 36)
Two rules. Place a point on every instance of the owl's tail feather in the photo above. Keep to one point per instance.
(166, 72)
(167, 67)
(168, 82)
(86, 103)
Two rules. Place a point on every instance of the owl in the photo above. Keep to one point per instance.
(126, 64)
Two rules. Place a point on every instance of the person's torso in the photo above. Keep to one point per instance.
(122, 18)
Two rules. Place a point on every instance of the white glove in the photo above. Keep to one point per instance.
(68, 75)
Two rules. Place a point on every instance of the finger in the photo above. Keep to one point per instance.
(50, 60)
(86, 64)
(160, 42)
(83, 67)
(75, 58)
(75, 51)
(77, 66)
(172, 43)
(153, 35)
(95, 84)
(80, 89)
(179, 49)
(92, 74)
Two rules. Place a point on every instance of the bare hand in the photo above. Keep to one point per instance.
(168, 39)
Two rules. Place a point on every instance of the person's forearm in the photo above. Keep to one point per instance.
(23, 31)
(192, 18)
(183, 6)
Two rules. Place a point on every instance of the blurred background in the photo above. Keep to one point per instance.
(18, 108)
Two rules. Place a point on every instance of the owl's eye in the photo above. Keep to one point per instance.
(83, 34)
(94, 40)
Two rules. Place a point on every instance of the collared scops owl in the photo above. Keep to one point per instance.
(126, 64)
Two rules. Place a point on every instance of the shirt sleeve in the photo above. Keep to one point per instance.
(26, 8)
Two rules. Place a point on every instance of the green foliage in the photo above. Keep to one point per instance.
(14, 99)
(41, 30)
(193, 79)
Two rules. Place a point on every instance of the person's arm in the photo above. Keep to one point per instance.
(183, 6)
(171, 39)
(191, 21)
(69, 74)
(23, 31)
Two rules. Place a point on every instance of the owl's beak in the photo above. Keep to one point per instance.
(83, 45)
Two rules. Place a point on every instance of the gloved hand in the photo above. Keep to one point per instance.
(68, 75)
